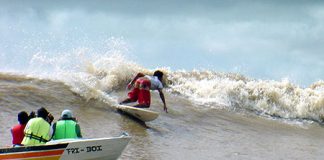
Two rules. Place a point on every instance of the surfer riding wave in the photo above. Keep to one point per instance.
(142, 84)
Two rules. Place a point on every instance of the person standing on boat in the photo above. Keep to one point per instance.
(142, 84)
(17, 131)
(37, 130)
(66, 127)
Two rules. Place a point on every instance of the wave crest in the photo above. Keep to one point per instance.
(267, 97)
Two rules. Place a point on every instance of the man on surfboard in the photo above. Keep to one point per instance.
(142, 84)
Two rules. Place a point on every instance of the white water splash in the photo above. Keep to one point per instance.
(231, 91)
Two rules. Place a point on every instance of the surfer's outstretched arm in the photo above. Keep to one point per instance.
(163, 100)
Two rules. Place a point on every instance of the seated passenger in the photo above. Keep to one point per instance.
(37, 130)
(17, 131)
(66, 127)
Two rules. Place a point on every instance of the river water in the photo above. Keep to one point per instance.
(243, 79)
(191, 129)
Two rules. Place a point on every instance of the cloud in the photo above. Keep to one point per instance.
(211, 31)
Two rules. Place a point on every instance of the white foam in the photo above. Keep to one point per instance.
(231, 91)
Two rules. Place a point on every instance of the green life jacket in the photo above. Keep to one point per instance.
(36, 132)
(65, 129)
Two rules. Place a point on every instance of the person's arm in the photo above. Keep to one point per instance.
(50, 118)
(78, 130)
(53, 129)
(163, 100)
(26, 127)
(12, 133)
(134, 79)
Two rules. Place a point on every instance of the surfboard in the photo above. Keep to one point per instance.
(144, 115)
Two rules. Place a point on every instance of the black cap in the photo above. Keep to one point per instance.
(158, 74)
(23, 117)
(42, 112)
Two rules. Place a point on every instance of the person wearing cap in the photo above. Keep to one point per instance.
(17, 131)
(142, 84)
(37, 130)
(66, 127)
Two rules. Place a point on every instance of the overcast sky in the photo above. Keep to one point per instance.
(261, 39)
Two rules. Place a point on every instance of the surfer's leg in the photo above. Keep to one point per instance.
(142, 106)
(144, 99)
(127, 100)
(144, 96)
(132, 96)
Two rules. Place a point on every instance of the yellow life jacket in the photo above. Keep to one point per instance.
(36, 132)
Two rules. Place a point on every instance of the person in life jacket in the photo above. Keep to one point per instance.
(66, 127)
(142, 84)
(17, 131)
(37, 130)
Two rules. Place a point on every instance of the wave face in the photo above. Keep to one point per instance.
(98, 77)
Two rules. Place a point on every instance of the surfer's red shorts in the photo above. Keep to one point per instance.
(141, 92)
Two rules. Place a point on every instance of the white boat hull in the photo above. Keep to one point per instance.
(71, 149)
